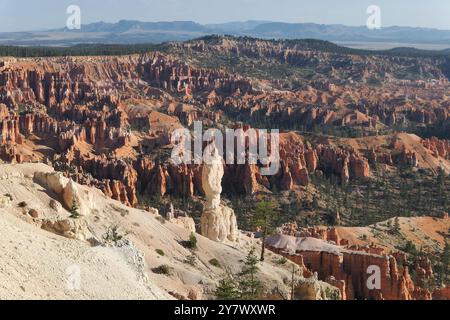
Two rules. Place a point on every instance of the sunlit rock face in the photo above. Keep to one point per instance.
(218, 222)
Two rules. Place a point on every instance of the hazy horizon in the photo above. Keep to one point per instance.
(249, 20)
(21, 15)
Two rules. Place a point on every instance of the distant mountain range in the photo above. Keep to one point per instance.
(131, 31)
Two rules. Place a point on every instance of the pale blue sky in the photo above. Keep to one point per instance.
(19, 15)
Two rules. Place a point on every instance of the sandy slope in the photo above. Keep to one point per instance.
(425, 232)
(33, 262)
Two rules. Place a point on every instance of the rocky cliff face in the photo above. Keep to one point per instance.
(339, 94)
(107, 122)
(128, 268)
(79, 103)
(83, 103)
(349, 269)
(439, 148)
(176, 76)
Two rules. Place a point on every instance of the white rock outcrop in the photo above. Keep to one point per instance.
(69, 192)
(71, 196)
(68, 228)
(185, 222)
(5, 201)
(53, 181)
(218, 222)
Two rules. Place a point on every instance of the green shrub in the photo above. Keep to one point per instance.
(331, 294)
(113, 235)
(228, 289)
(22, 204)
(214, 262)
(74, 211)
(191, 243)
(191, 260)
(163, 269)
(281, 261)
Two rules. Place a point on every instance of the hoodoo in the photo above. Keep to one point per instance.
(218, 222)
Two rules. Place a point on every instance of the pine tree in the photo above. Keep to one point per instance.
(368, 197)
(396, 228)
(250, 286)
(293, 282)
(445, 260)
(264, 218)
(440, 184)
(389, 224)
(315, 203)
(419, 196)
(227, 289)
(74, 210)
(191, 243)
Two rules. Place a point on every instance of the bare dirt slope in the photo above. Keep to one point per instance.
(423, 232)
(33, 262)
(401, 141)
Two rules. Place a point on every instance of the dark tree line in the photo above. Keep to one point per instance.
(77, 50)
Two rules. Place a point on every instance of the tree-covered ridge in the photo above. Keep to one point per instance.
(77, 50)
(100, 49)
(328, 46)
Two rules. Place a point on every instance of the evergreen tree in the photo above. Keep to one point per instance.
(250, 286)
(368, 197)
(445, 261)
(315, 203)
(440, 183)
(389, 224)
(227, 289)
(264, 219)
(419, 196)
(74, 210)
(293, 281)
(396, 227)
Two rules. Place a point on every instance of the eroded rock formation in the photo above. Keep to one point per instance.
(68, 192)
(103, 121)
(218, 222)
(349, 269)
